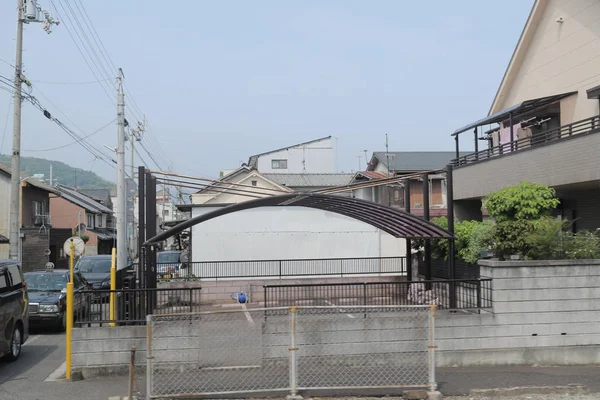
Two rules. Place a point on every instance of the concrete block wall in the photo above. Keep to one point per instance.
(544, 312)
(107, 350)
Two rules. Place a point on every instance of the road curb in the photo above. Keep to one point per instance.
(526, 390)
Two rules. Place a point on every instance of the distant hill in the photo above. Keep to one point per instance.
(61, 173)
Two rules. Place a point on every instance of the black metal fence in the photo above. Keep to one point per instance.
(469, 294)
(92, 307)
(579, 128)
(439, 269)
(282, 268)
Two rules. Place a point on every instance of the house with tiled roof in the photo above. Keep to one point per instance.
(402, 163)
(84, 215)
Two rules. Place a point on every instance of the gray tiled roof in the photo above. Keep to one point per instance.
(310, 180)
(82, 200)
(416, 160)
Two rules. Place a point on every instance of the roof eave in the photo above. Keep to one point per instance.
(532, 20)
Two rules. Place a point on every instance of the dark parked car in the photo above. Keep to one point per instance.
(48, 297)
(96, 270)
(14, 324)
(168, 263)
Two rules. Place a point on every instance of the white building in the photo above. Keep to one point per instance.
(315, 156)
(280, 232)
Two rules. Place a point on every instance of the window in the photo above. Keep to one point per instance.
(15, 275)
(279, 164)
(3, 285)
(90, 221)
(254, 183)
(39, 208)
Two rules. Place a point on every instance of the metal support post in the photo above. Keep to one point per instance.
(427, 258)
(451, 243)
(409, 271)
(476, 143)
(150, 230)
(113, 287)
(149, 357)
(141, 224)
(69, 326)
(131, 372)
(293, 362)
(512, 134)
(431, 348)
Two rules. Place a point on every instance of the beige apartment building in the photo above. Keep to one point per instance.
(543, 125)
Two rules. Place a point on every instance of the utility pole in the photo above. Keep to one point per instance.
(122, 251)
(27, 11)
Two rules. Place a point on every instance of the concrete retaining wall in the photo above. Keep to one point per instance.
(107, 350)
(544, 312)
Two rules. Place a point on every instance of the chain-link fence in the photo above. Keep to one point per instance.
(295, 349)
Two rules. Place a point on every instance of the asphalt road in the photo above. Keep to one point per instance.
(37, 374)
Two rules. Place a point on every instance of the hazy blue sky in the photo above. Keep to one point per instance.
(222, 80)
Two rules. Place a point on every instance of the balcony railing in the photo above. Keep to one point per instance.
(576, 129)
(41, 220)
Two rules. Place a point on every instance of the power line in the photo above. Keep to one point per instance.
(79, 49)
(81, 141)
(70, 83)
(5, 125)
(7, 63)
(85, 36)
(76, 141)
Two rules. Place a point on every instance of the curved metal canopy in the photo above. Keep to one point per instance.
(395, 222)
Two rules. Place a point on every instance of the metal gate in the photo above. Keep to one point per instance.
(294, 349)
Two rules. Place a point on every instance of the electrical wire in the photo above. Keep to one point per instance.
(7, 63)
(79, 48)
(70, 83)
(76, 141)
(80, 140)
(5, 125)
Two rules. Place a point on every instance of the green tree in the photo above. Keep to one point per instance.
(525, 201)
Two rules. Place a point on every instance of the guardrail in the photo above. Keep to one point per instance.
(92, 307)
(282, 268)
(575, 129)
(469, 294)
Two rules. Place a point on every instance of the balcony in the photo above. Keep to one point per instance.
(562, 156)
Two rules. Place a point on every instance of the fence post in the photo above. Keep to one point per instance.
(131, 372)
(191, 299)
(293, 373)
(265, 299)
(365, 297)
(432, 347)
(478, 296)
(149, 356)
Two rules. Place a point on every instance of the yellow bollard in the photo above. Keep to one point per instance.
(69, 326)
(113, 287)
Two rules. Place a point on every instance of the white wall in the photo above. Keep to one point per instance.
(4, 212)
(272, 233)
(561, 57)
(315, 157)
